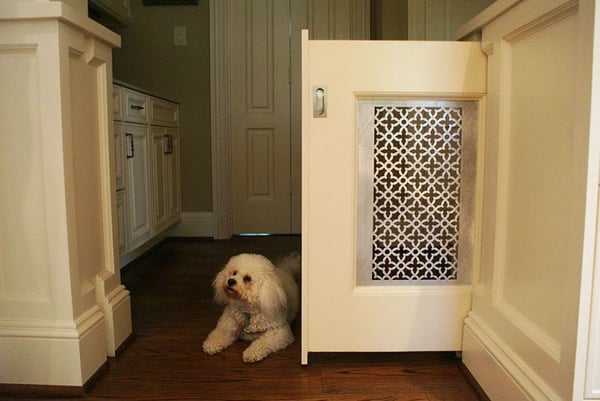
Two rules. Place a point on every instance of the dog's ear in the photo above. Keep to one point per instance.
(272, 298)
(219, 286)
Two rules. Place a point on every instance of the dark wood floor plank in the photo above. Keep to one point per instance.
(173, 313)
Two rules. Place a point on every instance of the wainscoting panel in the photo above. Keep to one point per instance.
(524, 313)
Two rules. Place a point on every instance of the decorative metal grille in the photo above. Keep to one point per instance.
(416, 192)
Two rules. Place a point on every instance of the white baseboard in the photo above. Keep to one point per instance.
(117, 313)
(194, 224)
(129, 257)
(500, 372)
(60, 353)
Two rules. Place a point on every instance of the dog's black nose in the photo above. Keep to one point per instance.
(231, 282)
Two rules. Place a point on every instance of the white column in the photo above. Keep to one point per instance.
(62, 306)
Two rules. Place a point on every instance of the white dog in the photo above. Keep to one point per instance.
(261, 300)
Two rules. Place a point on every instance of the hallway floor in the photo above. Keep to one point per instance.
(173, 312)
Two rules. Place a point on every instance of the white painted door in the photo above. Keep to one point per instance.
(263, 44)
(260, 120)
(342, 309)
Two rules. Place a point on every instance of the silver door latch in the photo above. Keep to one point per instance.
(319, 101)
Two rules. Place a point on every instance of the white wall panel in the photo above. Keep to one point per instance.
(523, 311)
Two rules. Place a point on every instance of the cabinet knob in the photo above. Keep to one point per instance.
(136, 107)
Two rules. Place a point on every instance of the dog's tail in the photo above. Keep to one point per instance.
(291, 264)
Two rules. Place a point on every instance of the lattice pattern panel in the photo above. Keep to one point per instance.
(416, 194)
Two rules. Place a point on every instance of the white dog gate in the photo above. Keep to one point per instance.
(389, 193)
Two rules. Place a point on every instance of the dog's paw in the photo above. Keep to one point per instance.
(253, 354)
(212, 347)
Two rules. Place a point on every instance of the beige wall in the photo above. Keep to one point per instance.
(389, 19)
(458, 12)
(148, 59)
(432, 19)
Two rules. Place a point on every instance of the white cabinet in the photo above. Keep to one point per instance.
(163, 112)
(120, 177)
(119, 146)
(159, 180)
(117, 95)
(173, 172)
(147, 151)
(165, 177)
(137, 184)
(122, 221)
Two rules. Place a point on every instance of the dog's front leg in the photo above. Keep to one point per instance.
(225, 333)
(272, 341)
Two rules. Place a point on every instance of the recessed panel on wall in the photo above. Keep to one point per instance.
(24, 253)
(539, 159)
(260, 163)
(85, 151)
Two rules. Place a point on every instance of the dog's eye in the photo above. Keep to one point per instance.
(247, 279)
(234, 273)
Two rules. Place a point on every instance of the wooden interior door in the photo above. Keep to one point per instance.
(260, 116)
(264, 81)
(343, 311)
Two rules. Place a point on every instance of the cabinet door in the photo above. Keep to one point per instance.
(117, 95)
(173, 176)
(122, 221)
(159, 181)
(119, 155)
(138, 179)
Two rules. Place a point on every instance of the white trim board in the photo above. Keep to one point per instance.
(511, 378)
(76, 349)
(193, 224)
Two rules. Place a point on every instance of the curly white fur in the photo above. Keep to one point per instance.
(261, 301)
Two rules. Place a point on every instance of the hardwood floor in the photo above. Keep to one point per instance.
(173, 312)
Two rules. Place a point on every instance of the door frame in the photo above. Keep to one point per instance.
(219, 118)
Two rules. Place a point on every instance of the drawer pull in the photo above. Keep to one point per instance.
(136, 107)
(130, 147)
(168, 144)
